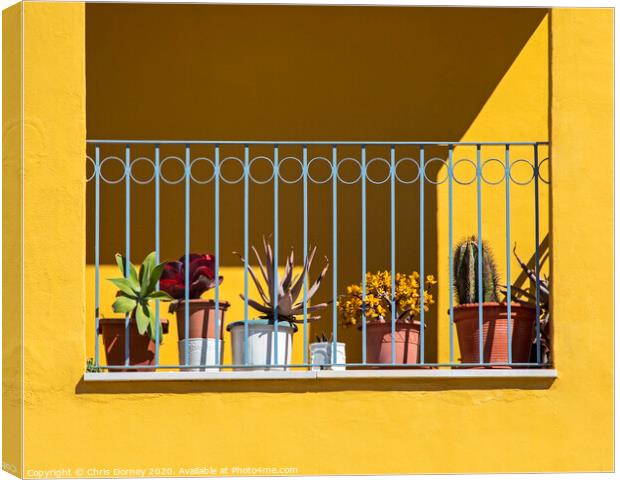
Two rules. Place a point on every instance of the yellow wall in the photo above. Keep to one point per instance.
(11, 239)
(582, 228)
(321, 427)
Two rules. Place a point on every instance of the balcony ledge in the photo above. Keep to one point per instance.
(523, 373)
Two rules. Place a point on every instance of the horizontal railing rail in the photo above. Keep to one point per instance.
(401, 164)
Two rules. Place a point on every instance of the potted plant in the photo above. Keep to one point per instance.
(281, 297)
(377, 305)
(495, 334)
(322, 354)
(196, 317)
(136, 291)
(521, 295)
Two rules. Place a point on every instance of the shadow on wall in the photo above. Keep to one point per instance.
(323, 385)
(290, 73)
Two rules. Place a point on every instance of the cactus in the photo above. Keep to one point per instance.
(466, 273)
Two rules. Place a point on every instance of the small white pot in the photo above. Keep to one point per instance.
(201, 354)
(321, 354)
(261, 340)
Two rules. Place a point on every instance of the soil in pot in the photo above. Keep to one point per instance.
(202, 318)
(495, 332)
(379, 342)
(141, 347)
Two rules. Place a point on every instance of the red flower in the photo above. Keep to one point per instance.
(201, 276)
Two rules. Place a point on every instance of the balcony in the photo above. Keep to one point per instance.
(377, 217)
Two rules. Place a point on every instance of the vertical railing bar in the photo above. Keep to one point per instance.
(335, 253)
(157, 250)
(450, 252)
(187, 266)
(508, 274)
(246, 193)
(480, 251)
(363, 178)
(276, 282)
(127, 238)
(216, 228)
(97, 220)
(305, 241)
(422, 302)
(393, 248)
(537, 254)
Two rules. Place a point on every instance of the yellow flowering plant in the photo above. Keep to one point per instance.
(378, 301)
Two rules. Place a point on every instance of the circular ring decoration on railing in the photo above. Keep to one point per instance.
(471, 162)
(141, 159)
(407, 159)
(226, 180)
(268, 179)
(378, 159)
(516, 162)
(342, 162)
(490, 182)
(161, 170)
(543, 179)
(428, 162)
(107, 180)
(331, 170)
(92, 162)
(191, 167)
(301, 169)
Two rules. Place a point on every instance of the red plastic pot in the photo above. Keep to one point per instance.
(141, 347)
(495, 332)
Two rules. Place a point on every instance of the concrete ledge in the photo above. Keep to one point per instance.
(320, 374)
(436, 373)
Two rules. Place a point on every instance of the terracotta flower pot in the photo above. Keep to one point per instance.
(379, 342)
(202, 317)
(141, 347)
(495, 332)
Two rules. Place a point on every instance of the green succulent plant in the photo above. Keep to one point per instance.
(92, 367)
(322, 338)
(136, 290)
(466, 272)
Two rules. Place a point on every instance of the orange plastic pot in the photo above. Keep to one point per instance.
(379, 342)
(495, 333)
(141, 347)
(202, 319)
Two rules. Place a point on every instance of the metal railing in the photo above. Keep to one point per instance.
(429, 164)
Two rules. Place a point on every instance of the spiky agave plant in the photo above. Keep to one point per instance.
(466, 272)
(284, 298)
(522, 295)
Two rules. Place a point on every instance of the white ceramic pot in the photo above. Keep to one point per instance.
(321, 354)
(201, 354)
(262, 339)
